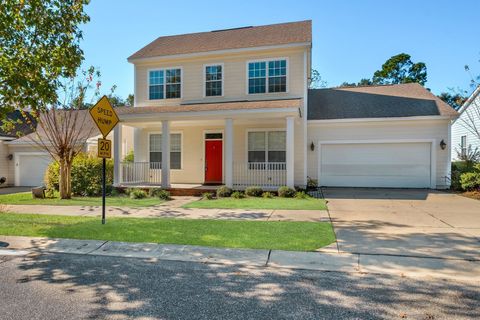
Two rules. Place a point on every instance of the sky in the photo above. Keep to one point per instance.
(351, 39)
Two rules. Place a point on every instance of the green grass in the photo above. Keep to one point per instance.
(260, 203)
(299, 236)
(120, 201)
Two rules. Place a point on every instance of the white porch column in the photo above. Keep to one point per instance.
(289, 152)
(165, 154)
(228, 153)
(117, 154)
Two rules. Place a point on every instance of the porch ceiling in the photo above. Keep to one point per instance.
(211, 111)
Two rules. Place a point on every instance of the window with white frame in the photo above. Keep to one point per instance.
(213, 80)
(267, 146)
(267, 76)
(165, 84)
(175, 150)
(463, 146)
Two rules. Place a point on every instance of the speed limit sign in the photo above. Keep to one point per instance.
(104, 148)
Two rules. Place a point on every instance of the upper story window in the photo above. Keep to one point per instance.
(463, 146)
(165, 84)
(213, 80)
(267, 76)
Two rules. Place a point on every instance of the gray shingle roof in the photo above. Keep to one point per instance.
(401, 100)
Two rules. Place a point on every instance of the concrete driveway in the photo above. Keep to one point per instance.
(10, 190)
(402, 222)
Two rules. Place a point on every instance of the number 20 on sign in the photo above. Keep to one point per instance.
(104, 148)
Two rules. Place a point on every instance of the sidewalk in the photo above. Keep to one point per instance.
(327, 259)
(172, 209)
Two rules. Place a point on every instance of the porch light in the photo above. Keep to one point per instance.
(10, 157)
(312, 146)
(443, 145)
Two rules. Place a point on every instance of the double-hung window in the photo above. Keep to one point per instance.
(165, 84)
(175, 150)
(267, 147)
(267, 76)
(463, 146)
(213, 80)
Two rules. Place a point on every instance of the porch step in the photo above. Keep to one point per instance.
(193, 192)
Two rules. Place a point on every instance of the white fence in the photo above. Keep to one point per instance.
(141, 172)
(267, 175)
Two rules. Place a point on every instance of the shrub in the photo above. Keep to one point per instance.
(153, 192)
(86, 176)
(312, 183)
(129, 157)
(458, 169)
(301, 195)
(207, 196)
(163, 195)
(114, 192)
(138, 194)
(224, 192)
(129, 190)
(254, 191)
(471, 180)
(267, 195)
(286, 192)
(238, 195)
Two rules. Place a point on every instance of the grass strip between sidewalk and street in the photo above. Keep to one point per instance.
(279, 235)
(25, 198)
(260, 203)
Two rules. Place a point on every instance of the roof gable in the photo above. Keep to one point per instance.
(246, 37)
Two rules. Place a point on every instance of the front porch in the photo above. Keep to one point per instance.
(200, 152)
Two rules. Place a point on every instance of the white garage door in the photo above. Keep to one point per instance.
(390, 165)
(31, 169)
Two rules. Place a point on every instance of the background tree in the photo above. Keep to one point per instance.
(64, 127)
(39, 45)
(315, 82)
(454, 99)
(401, 69)
(130, 100)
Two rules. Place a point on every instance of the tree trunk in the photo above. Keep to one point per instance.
(64, 180)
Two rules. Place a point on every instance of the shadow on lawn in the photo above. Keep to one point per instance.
(134, 288)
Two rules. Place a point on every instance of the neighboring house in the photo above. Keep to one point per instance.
(463, 128)
(233, 107)
(24, 163)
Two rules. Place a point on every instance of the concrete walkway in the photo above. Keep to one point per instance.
(172, 209)
(326, 260)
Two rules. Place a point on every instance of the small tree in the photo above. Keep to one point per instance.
(64, 127)
(401, 69)
(315, 81)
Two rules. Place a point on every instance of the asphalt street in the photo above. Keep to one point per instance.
(69, 286)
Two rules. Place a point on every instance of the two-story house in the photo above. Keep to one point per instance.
(233, 107)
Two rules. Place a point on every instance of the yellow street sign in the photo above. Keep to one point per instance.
(104, 148)
(104, 116)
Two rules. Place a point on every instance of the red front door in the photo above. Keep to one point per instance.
(213, 161)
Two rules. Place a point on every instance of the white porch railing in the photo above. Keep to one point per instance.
(267, 175)
(141, 172)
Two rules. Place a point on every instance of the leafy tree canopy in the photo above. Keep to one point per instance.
(39, 45)
(401, 69)
(455, 100)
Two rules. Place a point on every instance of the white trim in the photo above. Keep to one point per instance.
(433, 153)
(290, 151)
(469, 101)
(135, 98)
(220, 113)
(414, 118)
(206, 53)
(16, 162)
(181, 146)
(223, 150)
(205, 79)
(7, 138)
(305, 115)
(267, 60)
(164, 69)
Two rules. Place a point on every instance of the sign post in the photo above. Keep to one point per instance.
(106, 119)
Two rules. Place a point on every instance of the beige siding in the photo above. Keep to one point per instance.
(193, 148)
(5, 166)
(235, 77)
(383, 130)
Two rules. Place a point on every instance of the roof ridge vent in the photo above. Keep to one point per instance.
(220, 30)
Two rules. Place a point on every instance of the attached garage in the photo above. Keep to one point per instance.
(30, 168)
(376, 164)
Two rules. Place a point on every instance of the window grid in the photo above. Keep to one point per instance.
(273, 141)
(213, 80)
(463, 145)
(175, 150)
(267, 76)
(165, 84)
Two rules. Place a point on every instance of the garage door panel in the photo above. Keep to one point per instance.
(405, 165)
(31, 169)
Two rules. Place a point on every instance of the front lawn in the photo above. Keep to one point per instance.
(298, 236)
(120, 200)
(260, 203)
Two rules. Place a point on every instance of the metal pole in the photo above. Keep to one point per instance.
(103, 189)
